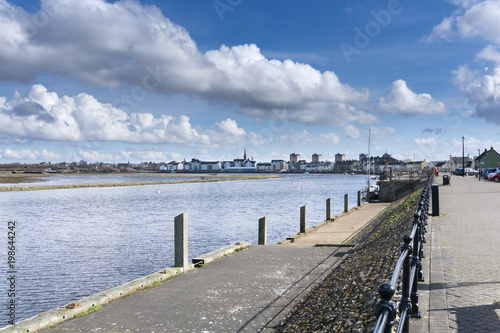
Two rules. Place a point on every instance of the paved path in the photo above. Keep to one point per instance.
(465, 263)
(249, 291)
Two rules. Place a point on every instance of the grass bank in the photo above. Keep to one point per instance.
(202, 179)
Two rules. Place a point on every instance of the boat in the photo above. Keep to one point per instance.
(371, 190)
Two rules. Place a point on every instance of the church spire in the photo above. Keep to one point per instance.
(245, 155)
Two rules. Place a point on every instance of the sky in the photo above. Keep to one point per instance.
(140, 81)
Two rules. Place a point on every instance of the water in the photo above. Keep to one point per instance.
(75, 242)
(124, 178)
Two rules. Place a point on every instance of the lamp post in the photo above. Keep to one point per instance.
(478, 164)
(463, 157)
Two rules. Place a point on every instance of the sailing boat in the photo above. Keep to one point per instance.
(372, 189)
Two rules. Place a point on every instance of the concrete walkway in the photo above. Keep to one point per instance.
(250, 291)
(464, 277)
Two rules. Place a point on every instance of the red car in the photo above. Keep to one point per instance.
(494, 176)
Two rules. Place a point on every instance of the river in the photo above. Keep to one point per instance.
(71, 243)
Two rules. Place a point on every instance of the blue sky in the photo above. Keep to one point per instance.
(171, 80)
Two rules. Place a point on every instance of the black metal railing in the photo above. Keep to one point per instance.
(410, 262)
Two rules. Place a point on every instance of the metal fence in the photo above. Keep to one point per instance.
(410, 262)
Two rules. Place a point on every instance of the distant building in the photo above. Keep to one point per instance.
(346, 166)
(488, 159)
(339, 157)
(210, 166)
(279, 165)
(363, 156)
(458, 162)
(317, 158)
(264, 167)
(294, 158)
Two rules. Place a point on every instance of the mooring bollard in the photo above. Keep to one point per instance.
(303, 219)
(346, 202)
(359, 198)
(263, 231)
(435, 200)
(328, 209)
(181, 241)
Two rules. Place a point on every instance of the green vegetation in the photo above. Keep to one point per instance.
(89, 311)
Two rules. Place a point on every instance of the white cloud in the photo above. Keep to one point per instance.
(474, 19)
(381, 133)
(153, 155)
(43, 115)
(482, 90)
(128, 44)
(328, 138)
(351, 132)
(402, 100)
(28, 154)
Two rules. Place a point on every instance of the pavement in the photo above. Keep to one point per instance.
(462, 292)
(248, 291)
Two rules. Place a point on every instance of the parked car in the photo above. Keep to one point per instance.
(494, 176)
(487, 172)
(470, 172)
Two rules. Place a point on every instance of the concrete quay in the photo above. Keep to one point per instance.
(462, 288)
(248, 291)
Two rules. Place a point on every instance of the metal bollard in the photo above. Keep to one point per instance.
(263, 231)
(181, 241)
(435, 200)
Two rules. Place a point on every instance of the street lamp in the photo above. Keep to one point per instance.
(463, 157)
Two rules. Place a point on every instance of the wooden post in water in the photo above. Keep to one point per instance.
(346, 202)
(263, 231)
(303, 219)
(359, 198)
(181, 241)
(328, 209)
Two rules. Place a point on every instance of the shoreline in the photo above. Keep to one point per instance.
(18, 188)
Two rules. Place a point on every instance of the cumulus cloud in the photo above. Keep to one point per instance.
(481, 89)
(43, 115)
(351, 132)
(474, 19)
(23, 154)
(128, 44)
(381, 133)
(402, 100)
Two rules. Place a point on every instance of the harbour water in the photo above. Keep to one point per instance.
(75, 242)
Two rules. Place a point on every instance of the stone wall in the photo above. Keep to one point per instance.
(391, 191)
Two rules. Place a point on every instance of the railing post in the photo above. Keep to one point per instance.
(405, 303)
(181, 241)
(346, 202)
(359, 198)
(263, 231)
(303, 219)
(386, 291)
(328, 209)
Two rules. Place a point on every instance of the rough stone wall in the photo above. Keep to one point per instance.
(345, 300)
(391, 191)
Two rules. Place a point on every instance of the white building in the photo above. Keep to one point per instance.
(279, 165)
(239, 165)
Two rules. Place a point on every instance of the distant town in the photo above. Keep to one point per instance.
(295, 164)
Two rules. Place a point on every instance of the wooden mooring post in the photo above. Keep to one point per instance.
(263, 231)
(181, 241)
(303, 219)
(328, 209)
(346, 202)
(359, 198)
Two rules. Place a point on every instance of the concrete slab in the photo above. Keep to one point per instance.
(341, 229)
